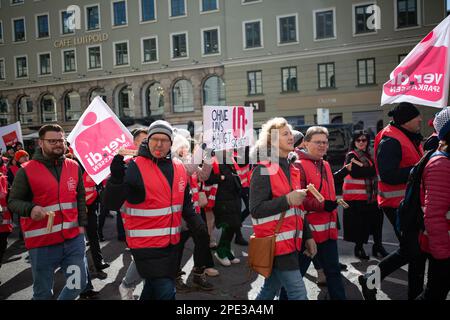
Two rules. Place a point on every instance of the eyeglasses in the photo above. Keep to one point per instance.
(54, 141)
(361, 140)
(157, 141)
(319, 143)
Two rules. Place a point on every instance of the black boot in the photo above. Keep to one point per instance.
(368, 294)
(360, 253)
(378, 251)
(240, 239)
(199, 280)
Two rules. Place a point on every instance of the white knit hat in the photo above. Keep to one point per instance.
(442, 122)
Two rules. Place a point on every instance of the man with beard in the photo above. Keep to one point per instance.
(51, 184)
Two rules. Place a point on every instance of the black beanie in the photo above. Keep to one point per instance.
(404, 112)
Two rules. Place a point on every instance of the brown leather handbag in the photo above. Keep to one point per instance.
(261, 251)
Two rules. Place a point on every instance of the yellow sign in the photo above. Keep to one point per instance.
(78, 41)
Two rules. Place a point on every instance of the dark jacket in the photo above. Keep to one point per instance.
(389, 156)
(262, 205)
(20, 196)
(150, 262)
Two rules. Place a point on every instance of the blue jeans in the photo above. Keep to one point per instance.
(327, 253)
(70, 256)
(158, 289)
(291, 280)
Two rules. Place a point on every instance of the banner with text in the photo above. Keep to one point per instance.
(227, 127)
(10, 135)
(97, 137)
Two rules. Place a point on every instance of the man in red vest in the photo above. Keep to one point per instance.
(153, 194)
(397, 149)
(50, 185)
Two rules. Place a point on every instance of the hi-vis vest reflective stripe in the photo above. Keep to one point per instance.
(391, 195)
(6, 222)
(322, 224)
(90, 187)
(354, 189)
(243, 173)
(45, 189)
(156, 222)
(193, 183)
(211, 190)
(289, 238)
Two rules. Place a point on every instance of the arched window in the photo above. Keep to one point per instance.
(48, 108)
(124, 102)
(4, 111)
(183, 96)
(25, 110)
(97, 92)
(214, 92)
(72, 106)
(153, 100)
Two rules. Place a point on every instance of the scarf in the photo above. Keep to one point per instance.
(371, 183)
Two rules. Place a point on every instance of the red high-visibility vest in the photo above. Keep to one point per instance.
(14, 169)
(57, 196)
(211, 190)
(193, 183)
(390, 195)
(322, 224)
(156, 221)
(289, 238)
(243, 173)
(354, 189)
(90, 187)
(6, 225)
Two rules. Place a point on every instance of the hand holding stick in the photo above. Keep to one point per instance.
(343, 203)
(128, 152)
(51, 218)
(358, 163)
(311, 188)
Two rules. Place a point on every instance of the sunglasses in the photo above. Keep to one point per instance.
(361, 140)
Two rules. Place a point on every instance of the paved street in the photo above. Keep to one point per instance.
(234, 282)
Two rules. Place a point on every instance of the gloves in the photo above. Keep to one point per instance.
(117, 169)
(330, 205)
(296, 197)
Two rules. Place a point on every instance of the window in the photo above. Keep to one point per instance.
(1, 32)
(72, 106)
(287, 29)
(21, 67)
(119, 13)
(147, 10)
(154, 100)
(366, 71)
(4, 111)
(324, 24)
(68, 22)
(25, 110)
(447, 7)
(326, 75)
(177, 8)
(250, 1)
(124, 102)
(48, 108)
(69, 60)
(406, 13)
(252, 34)
(97, 92)
(179, 46)
(210, 40)
(2, 69)
(254, 82)
(214, 92)
(121, 54)
(15, 2)
(92, 18)
(209, 5)
(42, 26)
(94, 57)
(150, 50)
(183, 96)
(401, 57)
(289, 79)
(45, 64)
(19, 29)
(361, 17)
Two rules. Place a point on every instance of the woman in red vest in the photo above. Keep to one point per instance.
(6, 226)
(363, 217)
(322, 216)
(275, 194)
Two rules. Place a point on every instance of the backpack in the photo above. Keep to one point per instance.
(410, 220)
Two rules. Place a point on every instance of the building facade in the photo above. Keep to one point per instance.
(153, 59)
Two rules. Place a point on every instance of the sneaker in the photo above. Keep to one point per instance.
(126, 293)
(235, 261)
(321, 278)
(223, 261)
(199, 281)
(211, 272)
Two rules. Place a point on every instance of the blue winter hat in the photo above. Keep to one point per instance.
(442, 123)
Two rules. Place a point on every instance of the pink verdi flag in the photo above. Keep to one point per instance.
(423, 76)
(97, 137)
